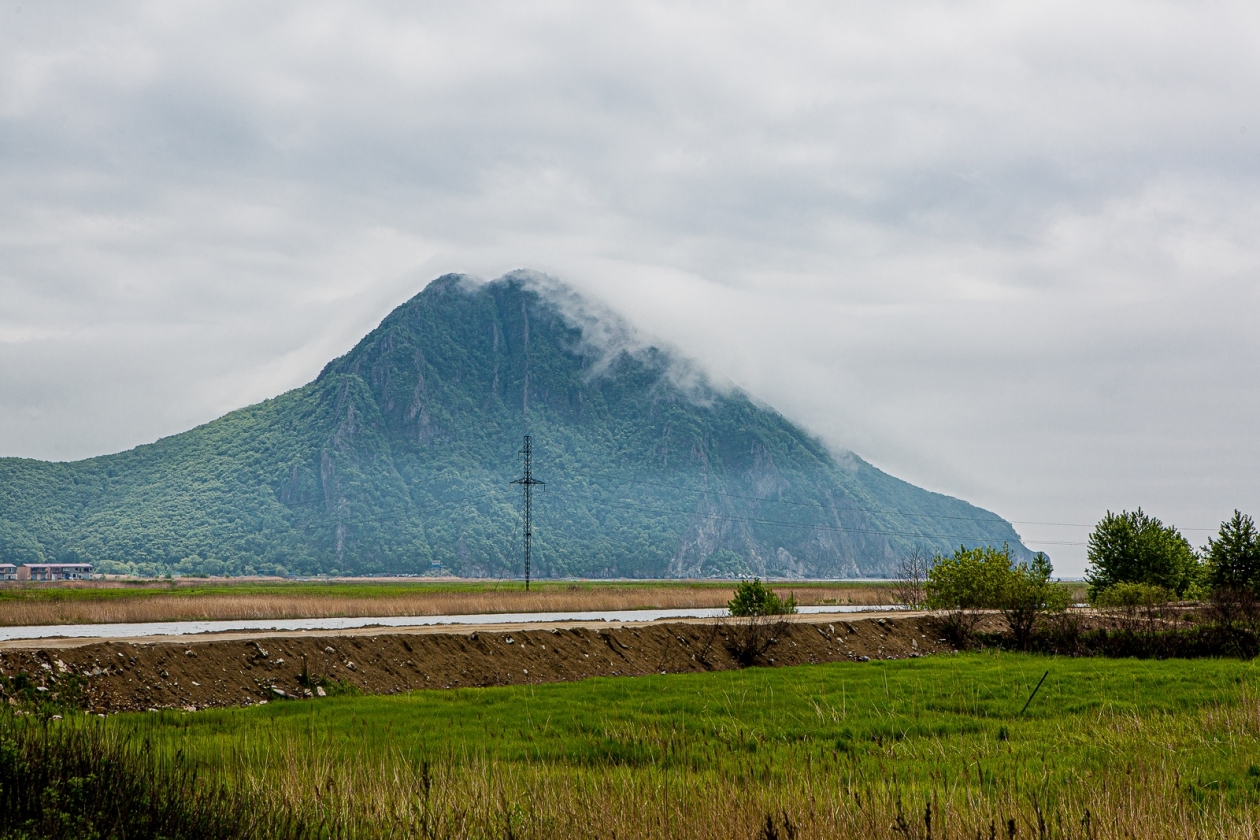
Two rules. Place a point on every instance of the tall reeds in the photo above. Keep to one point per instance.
(404, 796)
(587, 598)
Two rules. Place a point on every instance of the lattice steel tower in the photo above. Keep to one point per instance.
(527, 483)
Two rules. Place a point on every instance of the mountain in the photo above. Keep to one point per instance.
(399, 457)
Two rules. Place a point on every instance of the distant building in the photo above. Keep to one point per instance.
(8, 571)
(54, 571)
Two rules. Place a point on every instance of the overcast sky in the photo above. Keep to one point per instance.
(1007, 251)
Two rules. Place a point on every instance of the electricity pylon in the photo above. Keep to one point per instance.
(527, 483)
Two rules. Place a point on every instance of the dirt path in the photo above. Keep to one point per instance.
(196, 672)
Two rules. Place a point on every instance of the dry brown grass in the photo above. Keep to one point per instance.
(227, 606)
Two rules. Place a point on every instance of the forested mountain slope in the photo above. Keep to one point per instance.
(399, 456)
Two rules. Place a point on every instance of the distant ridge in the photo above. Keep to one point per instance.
(398, 457)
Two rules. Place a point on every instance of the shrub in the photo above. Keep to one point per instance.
(1134, 606)
(1026, 593)
(1132, 596)
(973, 580)
(963, 585)
(760, 612)
(1233, 610)
(753, 598)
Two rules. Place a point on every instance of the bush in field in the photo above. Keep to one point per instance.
(760, 612)
(973, 580)
(753, 598)
(1135, 548)
(1135, 606)
(963, 585)
(1133, 596)
(1026, 594)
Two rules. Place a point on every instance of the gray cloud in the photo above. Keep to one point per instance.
(1004, 250)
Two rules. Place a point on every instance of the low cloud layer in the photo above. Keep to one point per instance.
(1006, 251)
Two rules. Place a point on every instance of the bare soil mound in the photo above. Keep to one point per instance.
(238, 670)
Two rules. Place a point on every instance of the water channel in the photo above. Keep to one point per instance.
(185, 628)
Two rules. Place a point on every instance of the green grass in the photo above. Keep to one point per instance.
(944, 721)
(1107, 749)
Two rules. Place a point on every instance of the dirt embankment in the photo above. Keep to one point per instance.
(197, 673)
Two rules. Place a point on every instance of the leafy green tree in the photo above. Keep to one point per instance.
(1026, 594)
(965, 584)
(969, 579)
(1136, 548)
(973, 580)
(1233, 558)
(753, 598)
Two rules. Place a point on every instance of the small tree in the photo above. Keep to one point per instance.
(965, 584)
(1135, 606)
(910, 579)
(1233, 558)
(760, 613)
(985, 578)
(1233, 573)
(753, 598)
(1026, 594)
(1135, 548)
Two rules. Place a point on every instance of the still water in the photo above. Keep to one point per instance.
(184, 628)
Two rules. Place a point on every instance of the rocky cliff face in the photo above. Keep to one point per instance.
(399, 456)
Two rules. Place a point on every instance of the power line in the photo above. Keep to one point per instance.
(706, 491)
(818, 506)
(400, 515)
(808, 526)
(813, 505)
(697, 491)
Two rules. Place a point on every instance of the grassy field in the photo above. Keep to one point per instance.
(929, 747)
(111, 602)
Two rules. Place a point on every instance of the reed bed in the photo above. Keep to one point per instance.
(147, 606)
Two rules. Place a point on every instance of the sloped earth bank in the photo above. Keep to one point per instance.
(239, 670)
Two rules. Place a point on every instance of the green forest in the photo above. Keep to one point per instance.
(398, 459)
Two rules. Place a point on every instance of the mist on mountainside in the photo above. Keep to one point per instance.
(398, 458)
